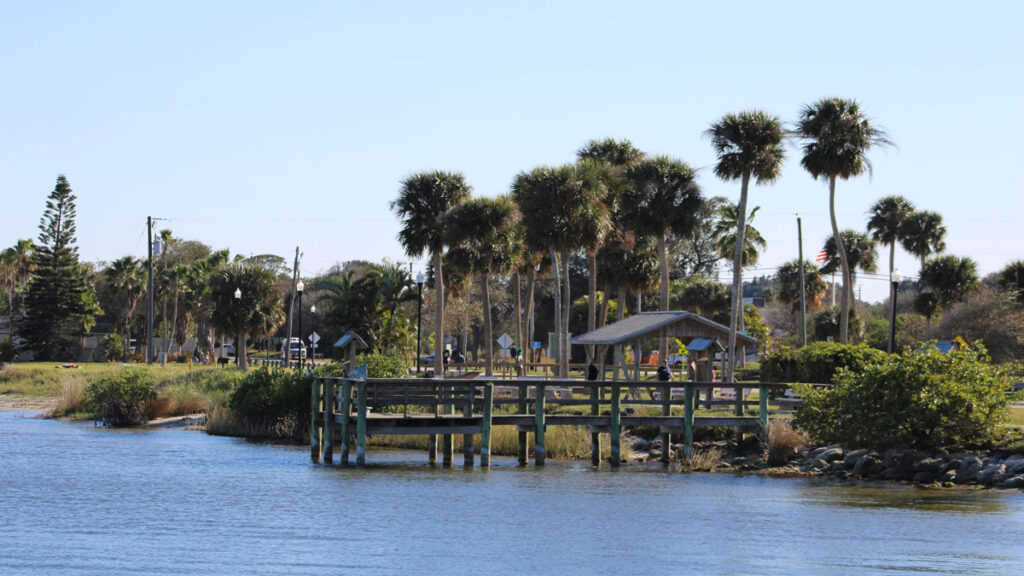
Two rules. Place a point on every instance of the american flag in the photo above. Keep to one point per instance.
(822, 256)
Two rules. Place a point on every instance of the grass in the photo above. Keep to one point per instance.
(1016, 416)
(783, 441)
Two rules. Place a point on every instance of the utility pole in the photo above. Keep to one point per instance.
(803, 302)
(291, 307)
(149, 291)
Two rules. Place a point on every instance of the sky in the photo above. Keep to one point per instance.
(266, 126)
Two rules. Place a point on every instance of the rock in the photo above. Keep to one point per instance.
(813, 465)
(1014, 482)
(948, 465)
(947, 476)
(831, 454)
(851, 457)
(1017, 466)
(989, 473)
(638, 443)
(969, 468)
(924, 477)
(928, 465)
(866, 465)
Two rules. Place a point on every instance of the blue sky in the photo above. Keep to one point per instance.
(260, 126)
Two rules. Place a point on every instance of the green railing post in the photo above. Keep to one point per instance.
(595, 437)
(314, 421)
(615, 426)
(485, 426)
(539, 453)
(688, 415)
(523, 437)
(467, 439)
(328, 420)
(346, 411)
(762, 392)
(361, 422)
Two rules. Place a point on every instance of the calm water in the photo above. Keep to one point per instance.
(75, 499)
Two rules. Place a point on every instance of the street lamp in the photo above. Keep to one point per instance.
(238, 325)
(419, 315)
(895, 279)
(312, 314)
(299, 287)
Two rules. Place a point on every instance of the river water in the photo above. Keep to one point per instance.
(76, 499)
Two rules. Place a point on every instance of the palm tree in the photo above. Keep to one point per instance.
(1011, 279)
(837, 137)
(724, 232)
(748, 145)
(788, 278)
(609, 158)
(15, 270)
(887, 224)
(860, 254)
(561, 208)
(663, 198)
(260, 308)
(481, 233)
(128, 281)
(422, 203)
(950, 279)
(924, 235)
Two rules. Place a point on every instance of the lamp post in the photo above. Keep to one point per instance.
(895, 279)
(302, 345)
(312, 315)
(238, 325)
(419, 316)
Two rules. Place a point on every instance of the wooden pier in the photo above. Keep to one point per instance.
(347, 410)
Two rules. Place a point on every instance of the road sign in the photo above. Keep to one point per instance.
(314, 338)
(505, 341)
(536, 345)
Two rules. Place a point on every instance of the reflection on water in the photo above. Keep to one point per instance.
(75, 499)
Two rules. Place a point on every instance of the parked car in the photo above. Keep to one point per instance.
(294, 347)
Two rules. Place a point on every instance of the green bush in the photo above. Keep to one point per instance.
(818, 362)
(921, 399)
(384, 365)
(8, 352)
(268, 396)
(113, 348)
(122, 399)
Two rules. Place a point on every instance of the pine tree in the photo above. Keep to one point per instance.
(59, 302)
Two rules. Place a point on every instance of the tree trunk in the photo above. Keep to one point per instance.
(438, 317)
(563, 360)
(736, 312)
(591, 298)
(558, 303)
(531, 280)
(892, 292)
(844, 315)
(663, 259)
(243, 360)
(518, 308)
(485, 295)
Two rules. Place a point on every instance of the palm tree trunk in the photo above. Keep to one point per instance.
(518, 308)
(485, 295)
(736, 312)
(243, 360)
(844, 316)
(563, 356)
(438, 316)
(663, 259)
(892, 266)
(531, 281)
(558, 302)
(591, 298)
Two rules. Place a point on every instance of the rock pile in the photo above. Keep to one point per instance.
(996, 470)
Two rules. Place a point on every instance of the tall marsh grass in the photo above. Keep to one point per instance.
(560, 442)
(783, 441)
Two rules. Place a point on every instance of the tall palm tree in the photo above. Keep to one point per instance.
(481, 233)
(748, 145)
(1011, 279)
(663, 197)
(887, 224)
(924, 235)
(609, 157)
(837, 137)
(422, 203)
(128, 281)
(860, 254)
(561, 208)
(788, 278)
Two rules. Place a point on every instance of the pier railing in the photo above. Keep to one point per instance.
(346, 409)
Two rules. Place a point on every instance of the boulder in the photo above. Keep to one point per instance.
(928, 465)
(989, 473)
(851, 457)
(866, 465)
(1014, 482)
(1017, 466)
(969, 468)
(947, 476)
(924, 477)
(639, 444)
(813, 465)
(831, 454)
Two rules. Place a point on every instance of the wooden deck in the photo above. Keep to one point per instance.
(346, 411)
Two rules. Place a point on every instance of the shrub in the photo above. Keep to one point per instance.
(818, 362)
(921, 399)
(122, 399)
(379, 365)
(783, 442)
(268, 396)
(8, 352)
